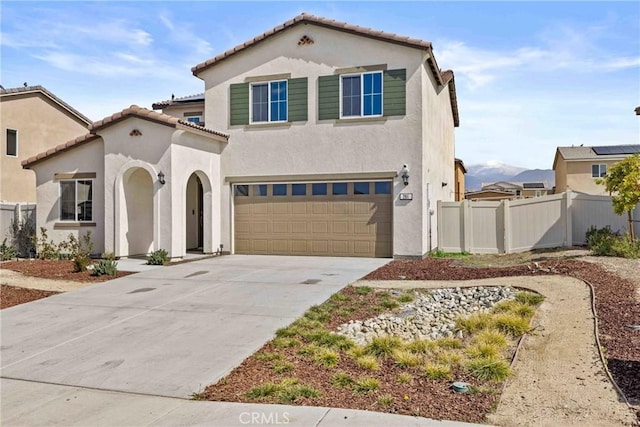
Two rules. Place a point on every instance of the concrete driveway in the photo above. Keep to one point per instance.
(170, 331)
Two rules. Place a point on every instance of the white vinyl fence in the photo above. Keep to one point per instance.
(10, 212)
(520, 225)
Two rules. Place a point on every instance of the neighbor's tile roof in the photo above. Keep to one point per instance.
(318, 20)
(132, 111)
(41, 89)
(199, 97)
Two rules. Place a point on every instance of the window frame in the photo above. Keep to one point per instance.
(6, 147)
(600, 167)
(75, 204)
(268, 83)
(362, 95)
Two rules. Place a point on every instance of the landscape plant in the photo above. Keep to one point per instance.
(622, 181)
(106, 266)
(22, 236)
(159, 257)
(79, 250)
(7, 252)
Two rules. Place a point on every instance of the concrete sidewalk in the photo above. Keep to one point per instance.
(27, 403)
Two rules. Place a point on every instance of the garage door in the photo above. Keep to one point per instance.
(323, 218)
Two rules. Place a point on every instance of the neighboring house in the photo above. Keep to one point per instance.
(33, 120)
(577, 168)
(459, 171)
(489, 195)
(189, 108)
(316, 151)
(502, 190)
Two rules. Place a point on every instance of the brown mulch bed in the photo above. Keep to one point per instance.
(615, 303)
(13, 295)
(56, 269)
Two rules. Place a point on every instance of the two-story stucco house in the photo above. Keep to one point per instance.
(321, 138)
(33, 120)
(577, 168)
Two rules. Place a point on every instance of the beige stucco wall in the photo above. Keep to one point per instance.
(41, 125)
(561, 174)
(86, 158)
(459, 183)
(179, 110)
(579, 177)
(332, 146)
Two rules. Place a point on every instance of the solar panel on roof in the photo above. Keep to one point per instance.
(533, 185)
(612, 150)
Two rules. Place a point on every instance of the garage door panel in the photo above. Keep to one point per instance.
(333, 225)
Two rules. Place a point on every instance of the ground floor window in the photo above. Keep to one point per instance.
(76, 200)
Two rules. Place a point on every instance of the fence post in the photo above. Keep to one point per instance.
(506, 226)
(466, 226)
(567, 201)
(439, 224)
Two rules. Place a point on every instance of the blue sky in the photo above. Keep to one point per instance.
(529, 76)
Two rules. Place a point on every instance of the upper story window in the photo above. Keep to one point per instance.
(598, 171)
(361, 94)
(12, 142)
(76, 200)
(269, 102)
(195, 118)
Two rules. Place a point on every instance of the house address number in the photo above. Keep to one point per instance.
(406, 196)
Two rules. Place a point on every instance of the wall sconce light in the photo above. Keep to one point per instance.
(405, 174)
(444, 184)
(161, 178)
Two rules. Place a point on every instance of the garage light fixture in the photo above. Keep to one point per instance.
(161, 178)
(405, 174)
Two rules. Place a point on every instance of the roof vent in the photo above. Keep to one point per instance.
(305, 40)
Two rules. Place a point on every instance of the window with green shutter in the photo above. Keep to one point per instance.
(362, 94)
(269, 101)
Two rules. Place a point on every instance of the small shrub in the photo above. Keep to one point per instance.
(515, 307)
(159, 257)
(341, 379)
(79, 250)
(23, 236)
(366, 385)
(286, 342)
(357, 351)
(363, 290)
(421, 346)
(406, 297)
(404, 378)
(7, 252)
(449, 358)
(605, 242)
(490, 337)
(330, 339)
(368, 362)
(263, 390)
(511, 324)
(448, 343)
(287, 391)
(487, 368)
(435, 371)
(45, 248)
(474, 323)
(388, 303)
(383, 346)
(385, 401)
(268, 357)
(340, 297)
(105, 267)
(109, 256)
(309, 350)
(482, 350)
(326, 357)
(529, 298)
(293, 393)
(318, 313)
(282, 366)
(406, 359)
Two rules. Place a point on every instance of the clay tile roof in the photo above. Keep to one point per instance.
(132, 111)
(35, 89)
(59, 149)
(198, 97)
(318, 20)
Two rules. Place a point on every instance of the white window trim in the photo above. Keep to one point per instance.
(268, 83)
(342, 116)
(600, 167)
(7, 142)
(76, 200)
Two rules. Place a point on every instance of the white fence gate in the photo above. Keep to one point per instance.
(520, 225)
(10, 212)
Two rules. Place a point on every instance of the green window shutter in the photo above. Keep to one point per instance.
(328, 97)
(395, 92)
(239, 104)
(297, 102)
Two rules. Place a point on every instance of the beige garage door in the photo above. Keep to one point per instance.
(331, 219)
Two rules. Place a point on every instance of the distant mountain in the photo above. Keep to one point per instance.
(495, 171)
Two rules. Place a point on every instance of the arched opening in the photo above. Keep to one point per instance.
(137, 225)
(194, 214)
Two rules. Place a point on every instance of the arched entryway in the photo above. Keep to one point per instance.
(194, 233)
(136, 228)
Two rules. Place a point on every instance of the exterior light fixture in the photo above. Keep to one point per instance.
(405, 174)
(444, 184)
(161, 178)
